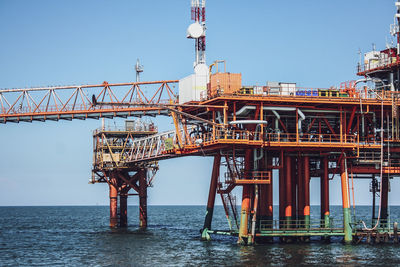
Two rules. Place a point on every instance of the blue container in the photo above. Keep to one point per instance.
(308, 92)
(315, 93)
(300, 92)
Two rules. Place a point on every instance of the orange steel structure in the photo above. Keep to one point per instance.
(351, 132)
(301, 136)
(251, 135)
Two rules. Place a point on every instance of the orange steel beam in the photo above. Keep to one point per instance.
(373, 170)
(311, 125)
(329, 126)
(283, 125)
(254, 181)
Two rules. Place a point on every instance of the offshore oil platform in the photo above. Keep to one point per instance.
(348, 132)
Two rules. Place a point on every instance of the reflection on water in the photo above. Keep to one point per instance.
(80, 236)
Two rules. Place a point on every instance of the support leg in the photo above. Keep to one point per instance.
(294, 191)
(270, 198)
(288, 192)
(263, 199)
(123, 205)
(306, 192)
(282, 202)
(143, 199)
(246, 202)
(374, 184)
(244, 217)
(325, 194)
(113, 205)
(300, 191)
(211, 198)
(384, 208)
(346, 203)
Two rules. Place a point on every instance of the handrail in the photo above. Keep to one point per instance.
(274, 225)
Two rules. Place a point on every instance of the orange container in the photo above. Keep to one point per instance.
(224, 83)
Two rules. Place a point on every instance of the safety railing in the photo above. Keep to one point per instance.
(383, 62)
(331, 225)
(234, 177)
(292, 91)
(312, 138)
(123, 129)
(221, 134)
(319, 93)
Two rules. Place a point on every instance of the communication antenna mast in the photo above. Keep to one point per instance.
(139, 69)
(395, 27)
(197, 30)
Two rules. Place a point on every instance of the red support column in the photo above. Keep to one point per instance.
(113, 203)
(384, 208)
(265, 199)
(269, 192)
(211, 197)
(123, 206)
(300, 192)
(282, 201)
(262, 200)
(246, 201)
(143, 199)
(294, 189)
(288, 192)
(325, 194)
(306, 191)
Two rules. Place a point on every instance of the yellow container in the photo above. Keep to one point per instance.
(322, 92)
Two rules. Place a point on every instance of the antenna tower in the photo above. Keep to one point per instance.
(197, 30)
(139, 69)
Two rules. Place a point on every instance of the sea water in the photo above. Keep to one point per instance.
(80, 236)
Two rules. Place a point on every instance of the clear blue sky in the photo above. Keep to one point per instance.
(314, 43)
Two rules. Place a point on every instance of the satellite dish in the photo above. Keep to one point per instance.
(195, 30)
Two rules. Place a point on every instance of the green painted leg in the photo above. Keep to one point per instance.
(306, 221)
(205, 235)
(288, 222)
(327, 221)
(249, 240)
(346, 225)
(243, 231)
